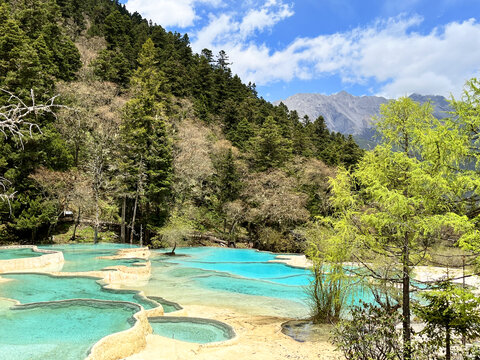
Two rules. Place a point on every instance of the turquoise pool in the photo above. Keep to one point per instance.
(62, 330)
(196, 330)
(242, 271)
(8, 254)
(168, 306)
(85, 257)
(240, 279)
(32, 288)
(235, 278)
(62, 317)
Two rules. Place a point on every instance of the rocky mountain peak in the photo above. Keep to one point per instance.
(350, 114)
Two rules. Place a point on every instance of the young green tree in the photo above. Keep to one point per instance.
(396, 203)
(449, 311)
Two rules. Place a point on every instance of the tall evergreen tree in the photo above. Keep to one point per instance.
(271, 148)
(145, 137)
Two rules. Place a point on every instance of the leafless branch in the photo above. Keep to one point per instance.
(14, 115)
(15, 122)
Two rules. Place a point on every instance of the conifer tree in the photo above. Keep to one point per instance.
(146, 144)
(399, 201)
(228, 178)
(271, 148)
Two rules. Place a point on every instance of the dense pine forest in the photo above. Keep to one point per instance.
(148, 139)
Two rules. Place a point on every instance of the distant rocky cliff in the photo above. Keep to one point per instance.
(351, 114)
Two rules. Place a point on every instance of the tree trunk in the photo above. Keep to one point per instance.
(97, 220)
(75, 156)
(141, 235)
(407, 345)
(448, 355)
(124, 210)
(132, 230)
(95, 234)
(75, 225)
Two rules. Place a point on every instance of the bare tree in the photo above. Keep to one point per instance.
(15, 122)
(15, 115)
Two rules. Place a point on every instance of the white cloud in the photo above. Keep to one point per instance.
(389, 52)
(217, 31)
(167, 13)
(235, 28)
(269, 15)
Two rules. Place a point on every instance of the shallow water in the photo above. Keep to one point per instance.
(8, 254)
(84, 257)
(168, 306)
(32, 288)
(195, 330)
(60, 330)
(240, 279)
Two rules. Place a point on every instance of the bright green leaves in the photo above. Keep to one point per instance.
(450, 313)
(402, 198)
(403, 123)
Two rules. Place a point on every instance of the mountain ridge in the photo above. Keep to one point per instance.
(351, 114)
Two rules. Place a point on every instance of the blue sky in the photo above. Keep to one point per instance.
(366, 47)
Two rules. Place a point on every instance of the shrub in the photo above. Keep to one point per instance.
(371, 333)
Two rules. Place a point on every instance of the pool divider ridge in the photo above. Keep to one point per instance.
(52, 260)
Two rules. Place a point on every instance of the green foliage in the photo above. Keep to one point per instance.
(33, 49)
(274, 240)
(162, 83)
(450, 312)
(328, 292)
(398, 202)
(177, 230)
(228, 178)
(242, 134)
(85, 234)
(147, 146)
(330, 287)
(369, 334)
(272, 150)
(111, 65)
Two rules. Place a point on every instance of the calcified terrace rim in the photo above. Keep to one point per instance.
(287, 259)
(121, 344)
(33, 247)
(117, 345)
(51, 260)
(163, 301)
(104, 285)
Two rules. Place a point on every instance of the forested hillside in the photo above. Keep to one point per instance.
(149, 136)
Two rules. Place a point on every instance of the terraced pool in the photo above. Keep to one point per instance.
(8, 254)
(77, 311)
(196, 330)
(86, 257)
(241, 279)
(33, 288)
(60, 330)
